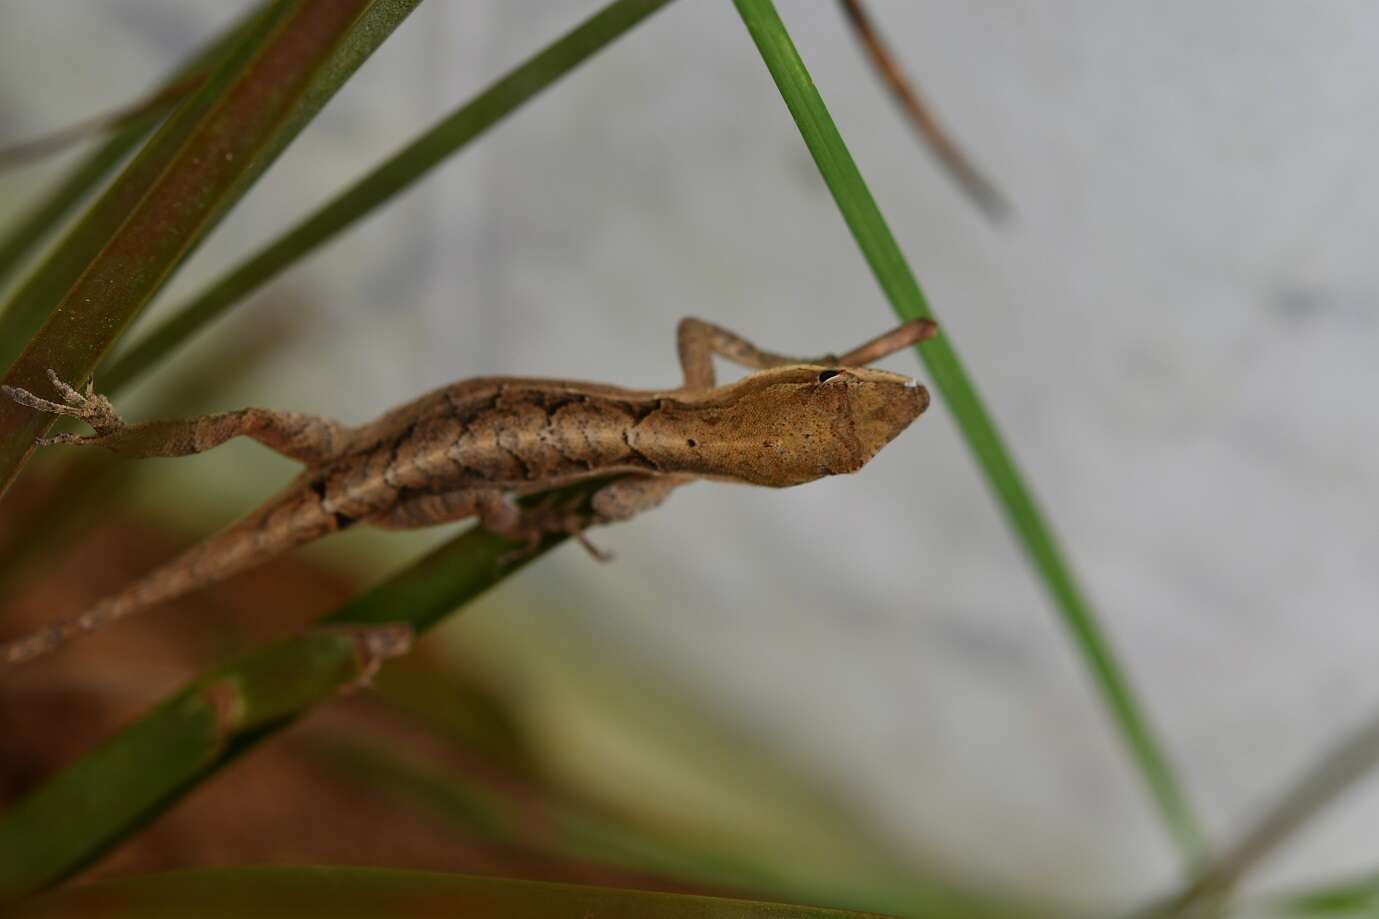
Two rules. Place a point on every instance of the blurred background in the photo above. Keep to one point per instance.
(1176, 332)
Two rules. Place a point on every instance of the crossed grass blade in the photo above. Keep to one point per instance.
(221, 139)
(43, 218)
(387, 180)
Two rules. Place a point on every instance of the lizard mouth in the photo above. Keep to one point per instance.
(881, 410)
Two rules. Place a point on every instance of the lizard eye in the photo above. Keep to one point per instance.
(827, 375)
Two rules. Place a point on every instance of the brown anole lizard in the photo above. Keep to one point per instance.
(472, 448)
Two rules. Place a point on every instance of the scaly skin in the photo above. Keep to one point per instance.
(471, 448)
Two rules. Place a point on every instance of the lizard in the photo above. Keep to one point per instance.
(473, 448)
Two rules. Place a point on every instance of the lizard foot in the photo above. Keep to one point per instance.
(374, 644)
(87, 406)
(599, 555)
(535, 525)
(541, 521)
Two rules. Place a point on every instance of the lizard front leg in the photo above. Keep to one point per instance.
(416, 511)
(698, 341)
(306, 438)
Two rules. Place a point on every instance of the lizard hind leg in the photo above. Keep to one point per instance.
(621, 499)
(530, 525)
(305, 438)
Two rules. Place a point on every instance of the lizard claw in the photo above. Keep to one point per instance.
(598, 554)
(96, 410)
(28, 399)
(69, 395)
(536, 529)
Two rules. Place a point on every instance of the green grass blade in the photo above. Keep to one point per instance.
(390, 178)
(113, 790)
(186, 178)
(45, 216)
(897, 281)
(1352, 897)
(71, 819)
(366, 892)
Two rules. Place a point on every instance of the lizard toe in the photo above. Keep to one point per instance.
(68, 393)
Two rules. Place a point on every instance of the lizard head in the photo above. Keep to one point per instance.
(783, 426)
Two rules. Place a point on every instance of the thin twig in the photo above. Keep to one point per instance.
(986, 196)
(39, 147)
(1341, 768)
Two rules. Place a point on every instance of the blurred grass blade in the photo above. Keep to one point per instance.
(1350, 761)
(1353, 897)
(113, 790)
(898, 282)
(35, 226)
(220, 140)
(552, 825)
(535, 820)
(391, 177)
(367, 892)
(979, 190)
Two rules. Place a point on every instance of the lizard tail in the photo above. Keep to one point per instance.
(291, 520)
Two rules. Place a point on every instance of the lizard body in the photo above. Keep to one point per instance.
(471, 448)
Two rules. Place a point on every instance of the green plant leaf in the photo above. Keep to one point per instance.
(391, 177)
(898, 282)
(220, 140)
(369, 892)
(68, 821)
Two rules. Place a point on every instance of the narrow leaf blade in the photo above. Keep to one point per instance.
(897, 281)
(368, 892)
